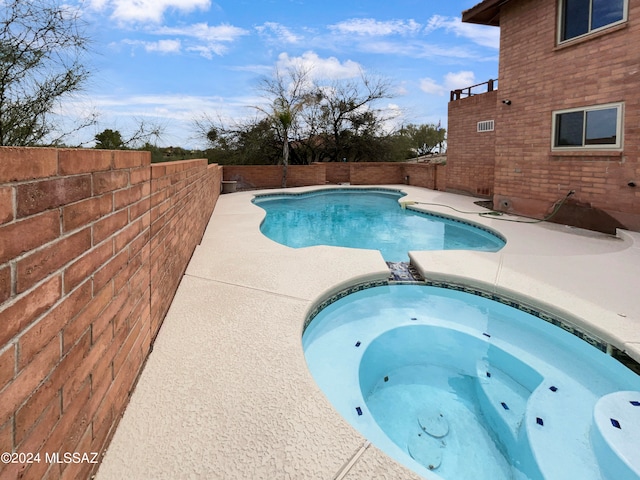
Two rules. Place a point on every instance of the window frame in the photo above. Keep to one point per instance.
(560, 23)
(609, 147)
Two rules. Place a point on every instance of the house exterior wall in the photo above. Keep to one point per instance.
(471, 154)
(540, 77)
(93, 244)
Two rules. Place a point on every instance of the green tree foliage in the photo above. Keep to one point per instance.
(41, 51)
(423, 139)
(287, 94)
(347, 116)
(113, 139)
(109, 140)
(310, 121)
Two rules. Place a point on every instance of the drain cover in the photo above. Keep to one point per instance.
(425, 450)
(432, 421)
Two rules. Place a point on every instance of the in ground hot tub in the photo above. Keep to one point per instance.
(454, 385)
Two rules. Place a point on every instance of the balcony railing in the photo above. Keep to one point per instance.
(478, 89)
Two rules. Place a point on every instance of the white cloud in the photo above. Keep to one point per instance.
(146, 10)
(451, 81)
(372, 27)
(479, 34)
(461, 79)
(201, 38)
(320, 68)
(163, 46)
(282, 33)
(174, 112)
(429, 85)
(205, 32)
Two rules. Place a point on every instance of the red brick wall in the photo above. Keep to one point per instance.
(427, 176)
(375, 173)
(337, 172)
(540, 77)
(183, 195)
(89, 241)
(270, 176)
(368, 173)
(471, 154)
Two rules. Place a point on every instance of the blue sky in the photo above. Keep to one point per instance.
(171, 61)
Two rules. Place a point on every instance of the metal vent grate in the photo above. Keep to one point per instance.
(486, 126)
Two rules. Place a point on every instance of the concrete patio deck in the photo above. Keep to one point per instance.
(226, 393)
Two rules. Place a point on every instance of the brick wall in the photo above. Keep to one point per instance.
(270, 176)
(471, 154)
(375, 173)
(337, 172)
(367, 173)
(426, 176)
(540, 77)
(92, 247)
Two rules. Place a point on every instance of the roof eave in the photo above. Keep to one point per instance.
(484, 13)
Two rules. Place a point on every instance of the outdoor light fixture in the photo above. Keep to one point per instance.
(506, 102)
(631, 183)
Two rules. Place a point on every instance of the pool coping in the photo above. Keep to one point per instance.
(226, 392)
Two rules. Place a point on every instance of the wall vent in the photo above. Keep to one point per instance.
(485, 126)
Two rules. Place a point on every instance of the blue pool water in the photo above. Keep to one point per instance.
(457, 386)
(366, 218)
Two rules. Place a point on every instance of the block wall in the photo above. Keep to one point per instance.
(270, 176)
(92, 247)
(433, 176)
(539, 76)
(337, 172)
(471, 154)
(366, 173)
(376, 173)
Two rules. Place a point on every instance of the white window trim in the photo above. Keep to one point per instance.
(485, 126)
(619, 130)
(625, 13)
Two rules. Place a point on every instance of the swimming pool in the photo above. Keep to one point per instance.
(370, 218)
(458, 386)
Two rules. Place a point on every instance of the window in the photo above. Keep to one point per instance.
(597, 127)
(580, 17)
(485, 126)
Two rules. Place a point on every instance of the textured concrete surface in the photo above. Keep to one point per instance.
(226, 393)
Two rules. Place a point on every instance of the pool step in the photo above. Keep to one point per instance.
(503, 401)
(560, 441)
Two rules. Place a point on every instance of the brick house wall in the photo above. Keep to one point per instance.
(471, 154)
(92, 247)
(539, 77)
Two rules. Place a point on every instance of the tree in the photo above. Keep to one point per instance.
(113, 140)
(423, 139)
(348, 111)
(310, 121)
(109, 140)
(253, 142)
(287, 94)
(41, 51)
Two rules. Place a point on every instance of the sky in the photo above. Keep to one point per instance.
(170, 62)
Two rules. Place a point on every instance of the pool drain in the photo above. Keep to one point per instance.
(425, 450)
(432, 421)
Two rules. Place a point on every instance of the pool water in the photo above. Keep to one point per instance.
(458, 386)
(366, 218)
